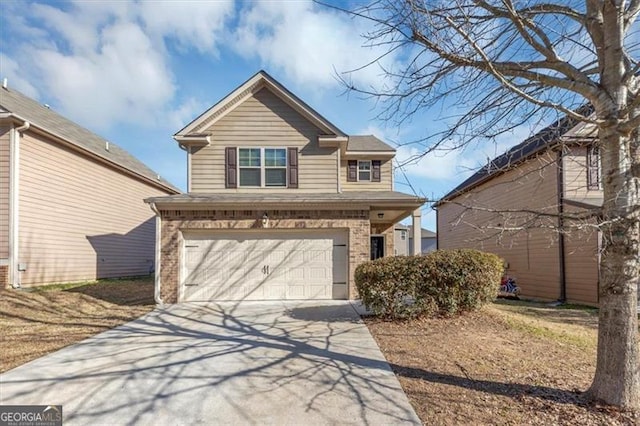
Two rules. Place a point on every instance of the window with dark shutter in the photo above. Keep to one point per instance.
(375, 171)
(352, 171)
(230, 176)
(593, 167)
(292, 167)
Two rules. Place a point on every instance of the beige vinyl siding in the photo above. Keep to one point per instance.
(574, 165)
(80, 219)
(532, 254)
(386, 181)
(264, 120)
(581, 247)
(4, 191)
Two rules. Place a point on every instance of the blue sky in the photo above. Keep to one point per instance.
(135, 72)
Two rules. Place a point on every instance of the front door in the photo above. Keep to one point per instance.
(377, 247)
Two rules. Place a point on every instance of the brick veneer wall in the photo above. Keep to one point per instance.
(176, 221)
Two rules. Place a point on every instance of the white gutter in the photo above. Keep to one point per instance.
(14, 199)
(156, 288)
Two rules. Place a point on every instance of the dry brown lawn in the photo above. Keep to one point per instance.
(509, 364)
(34, 323)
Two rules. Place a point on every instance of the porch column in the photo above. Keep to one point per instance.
(416, 217)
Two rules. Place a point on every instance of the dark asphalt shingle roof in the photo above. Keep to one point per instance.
(367, 143)
(14, 102)
(293, 197)
(542, 140)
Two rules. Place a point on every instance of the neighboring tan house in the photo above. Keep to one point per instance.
(71, 203)
(281, 204)
(511, 207)
(404, 240)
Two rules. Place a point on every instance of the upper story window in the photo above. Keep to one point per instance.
(594, 168)
(364, 170)
(259, 167)
(275, 163)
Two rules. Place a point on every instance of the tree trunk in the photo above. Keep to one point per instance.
(617, 377)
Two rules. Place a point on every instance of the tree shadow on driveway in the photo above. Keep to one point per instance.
(249, 363)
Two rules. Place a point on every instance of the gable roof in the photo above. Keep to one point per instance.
(259, 81)
(20, 106)
(367, 143)
(545, 139)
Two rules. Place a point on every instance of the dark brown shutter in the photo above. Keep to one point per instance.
(352, 172)
(230, 166)
(292, 167)
(375, 171)
(593, 168)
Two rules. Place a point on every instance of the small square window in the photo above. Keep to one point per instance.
(364, 170)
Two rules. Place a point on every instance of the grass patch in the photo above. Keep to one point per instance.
(34, 323)
(511, 363)
(70, 285)
(541, 329)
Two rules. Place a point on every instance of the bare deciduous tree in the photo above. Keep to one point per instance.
(501, 63)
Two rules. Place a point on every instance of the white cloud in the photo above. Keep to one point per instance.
(125, 80)
(10, 70)
(105, 62)
(449, 162)
(200, 25)
(186, 112)
(308, 43)
(446, 164)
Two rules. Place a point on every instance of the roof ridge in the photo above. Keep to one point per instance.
(54, 123)
(544, 138)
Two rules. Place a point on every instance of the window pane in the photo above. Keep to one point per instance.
(249, 157)
(364, 175)
(249, 177)
(275, 157)
(364, 165)
(275, 177)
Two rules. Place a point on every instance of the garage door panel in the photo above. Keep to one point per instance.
(260, 266)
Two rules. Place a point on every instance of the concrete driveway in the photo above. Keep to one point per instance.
(246, 363)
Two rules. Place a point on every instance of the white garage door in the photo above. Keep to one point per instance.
(245, 265)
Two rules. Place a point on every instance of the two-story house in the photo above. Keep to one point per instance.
(535, 206)
(281, 204)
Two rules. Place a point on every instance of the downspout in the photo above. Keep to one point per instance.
(188, 169)
(563, 275)
(437, 231)
(14, 199)
(339, 185)
(156, 289)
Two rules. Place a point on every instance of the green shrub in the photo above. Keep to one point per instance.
(444, 282)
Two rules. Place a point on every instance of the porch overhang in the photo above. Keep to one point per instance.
(383, 206)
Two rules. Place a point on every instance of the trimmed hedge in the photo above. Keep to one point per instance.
(443, 282)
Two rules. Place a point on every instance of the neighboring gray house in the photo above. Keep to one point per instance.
(404, 240)
(71, 204)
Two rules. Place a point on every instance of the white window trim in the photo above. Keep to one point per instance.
(263, 167)
(370, 170)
